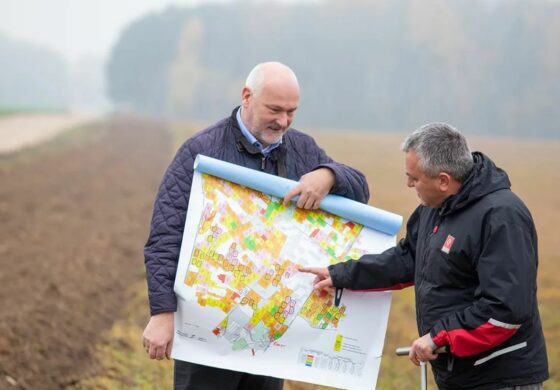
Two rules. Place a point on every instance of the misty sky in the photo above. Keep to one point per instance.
(75, 27)
(79, 27)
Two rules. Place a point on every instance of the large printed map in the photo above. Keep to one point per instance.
(243, 305)
(245, 261)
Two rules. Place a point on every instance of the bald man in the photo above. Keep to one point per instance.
(256, 135)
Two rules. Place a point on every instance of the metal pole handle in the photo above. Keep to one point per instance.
(423, 376)
(404, 351)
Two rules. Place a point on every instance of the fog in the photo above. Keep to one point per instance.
(77, 34)
(488, 66)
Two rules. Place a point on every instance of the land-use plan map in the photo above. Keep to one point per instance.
(243, 305)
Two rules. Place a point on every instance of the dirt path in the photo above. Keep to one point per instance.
(21, 131)
(72, 229)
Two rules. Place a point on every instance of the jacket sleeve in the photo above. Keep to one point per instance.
(506, 270)
(390, 270)
(161, 252)
(350, 182)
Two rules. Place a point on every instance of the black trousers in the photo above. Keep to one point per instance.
(191, 376)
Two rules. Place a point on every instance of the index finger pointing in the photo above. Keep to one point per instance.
(310, 270)
(321, 273)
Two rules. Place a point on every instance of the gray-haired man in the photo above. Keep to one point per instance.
(471, 253)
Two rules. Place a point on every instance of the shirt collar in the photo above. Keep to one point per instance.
(251, 138)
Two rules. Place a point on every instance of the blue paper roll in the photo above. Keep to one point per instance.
(372, 217)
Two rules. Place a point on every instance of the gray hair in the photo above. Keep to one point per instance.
(440, 148)
(256, 77)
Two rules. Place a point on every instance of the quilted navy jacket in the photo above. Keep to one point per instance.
(296, 156)
(473, 262)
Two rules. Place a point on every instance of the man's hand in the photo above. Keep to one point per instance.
(312, 188)
(322, 280)
(158, 336)
(422, 350)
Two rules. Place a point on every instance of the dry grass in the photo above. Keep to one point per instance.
(125, 363)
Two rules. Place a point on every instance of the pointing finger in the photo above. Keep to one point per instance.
(309, 270)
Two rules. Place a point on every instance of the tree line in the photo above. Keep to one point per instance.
(31, 76)
(487, 66)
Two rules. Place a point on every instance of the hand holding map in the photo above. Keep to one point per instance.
(311, 189)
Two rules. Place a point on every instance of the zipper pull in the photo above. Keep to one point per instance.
(436, 228)
(263, 163)
(450, 361)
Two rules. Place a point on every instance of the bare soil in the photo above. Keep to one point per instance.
(72, 228)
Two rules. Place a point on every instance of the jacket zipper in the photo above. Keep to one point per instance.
(263, 163)
(425, 260)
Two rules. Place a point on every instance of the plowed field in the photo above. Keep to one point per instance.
(72, 227)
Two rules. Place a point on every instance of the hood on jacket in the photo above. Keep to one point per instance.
(484, 179)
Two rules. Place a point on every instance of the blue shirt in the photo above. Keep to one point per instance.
(251, 138)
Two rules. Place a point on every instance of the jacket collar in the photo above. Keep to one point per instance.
(243, 145)
(484, 179)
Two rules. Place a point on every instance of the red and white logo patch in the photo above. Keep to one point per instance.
(448, 244)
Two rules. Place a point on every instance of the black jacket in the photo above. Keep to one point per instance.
(473, 262)
(297, 155)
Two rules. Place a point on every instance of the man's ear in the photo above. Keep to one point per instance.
(245, 96)
(444, 181)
